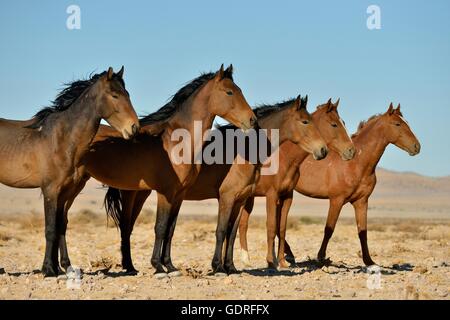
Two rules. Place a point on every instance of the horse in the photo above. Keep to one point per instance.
(45, 152)
(232, 183)
(148, 163)
(354, 181)
(278, 189)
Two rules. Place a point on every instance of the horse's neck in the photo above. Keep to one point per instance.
(274, 122)
(194, 117)
(370, 145)
(79, 123)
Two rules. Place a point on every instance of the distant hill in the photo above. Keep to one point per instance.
(396, 194)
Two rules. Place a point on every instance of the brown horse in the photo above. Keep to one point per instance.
(147, 163)
(45, 152)
(353, 181)
(232, 183)
(278, 189)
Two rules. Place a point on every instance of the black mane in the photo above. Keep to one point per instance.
(65, 99)
(166, 111)
(263, 110)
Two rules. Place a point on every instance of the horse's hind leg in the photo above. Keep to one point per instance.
(132, 202)
(162, 219)
(167, 246)
(126, 226)
(243, 228)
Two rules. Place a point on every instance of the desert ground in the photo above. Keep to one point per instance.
(409, 234)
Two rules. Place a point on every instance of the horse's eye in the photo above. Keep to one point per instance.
(115, 96)
(397, 124)
(230, 93)
(305, 121)
(334, 125)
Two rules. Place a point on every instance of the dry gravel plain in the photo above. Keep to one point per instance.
(409, 234)
(413, 255)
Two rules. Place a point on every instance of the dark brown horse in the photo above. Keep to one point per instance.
(149, 163)
(45, 152)
(353, 181)
(278, 189)
(232, 183)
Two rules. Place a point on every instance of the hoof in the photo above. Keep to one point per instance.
(131, 272)
(272, 266)
(220, 274)
(232, 270)
(161, 275)
(245, 258)
(290, 259)
(175, 274)
(49, 271)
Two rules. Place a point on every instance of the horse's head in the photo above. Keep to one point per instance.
(300, 129)
(398, 131)
(114, 104)
(332, 129)
(228, 102)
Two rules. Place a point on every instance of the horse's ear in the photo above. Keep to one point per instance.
(329, 105)
(229, 70)
(336, 104)
(398, 108)
(391, 109)
(298, 103)
(220, 73)
(120, 73)
(304, 102)
(110, 73)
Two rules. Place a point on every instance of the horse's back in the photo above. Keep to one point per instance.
(18, 154)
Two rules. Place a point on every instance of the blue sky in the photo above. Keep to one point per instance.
(279, 49)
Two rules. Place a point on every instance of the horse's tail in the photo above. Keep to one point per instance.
(113, 205)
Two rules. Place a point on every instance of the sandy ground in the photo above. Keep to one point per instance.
(413, 253)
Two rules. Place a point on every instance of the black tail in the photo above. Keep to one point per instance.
(113, 205)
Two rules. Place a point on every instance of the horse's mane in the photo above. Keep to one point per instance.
(177, 100)
(66, 98)
(264, 110)
(364, 124)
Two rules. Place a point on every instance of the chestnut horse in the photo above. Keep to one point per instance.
(147, 163)
(232, 183)
(353, 181)
(45, 152)
(278, 189)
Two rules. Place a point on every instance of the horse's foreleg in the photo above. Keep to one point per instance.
(285, 206)
(53, 224)
(167, 245)
(360, 207)
(271, 225)
(243, 228)
(333, 215)
(70, 197)
(225, 210)
(231, 237)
